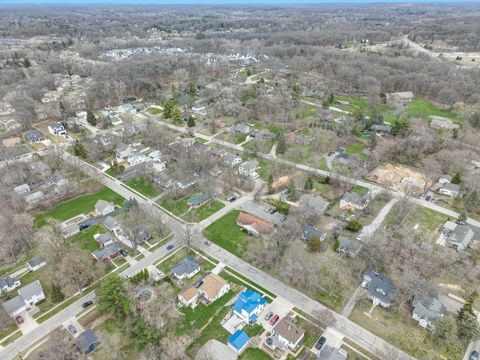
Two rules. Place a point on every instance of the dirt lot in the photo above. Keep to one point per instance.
(399, 177)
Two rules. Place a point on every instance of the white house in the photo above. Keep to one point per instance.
(249, 305)
(22, 189)
(136, 158)
(380, 288)
(449, 189)
(123, 151)
(57, 129)
(36, 263)
(352, 201)
(288, 333)
(187, 268)
(249, 169)
(103, 207)
(8, 283)
(32, 293)
(427, 310)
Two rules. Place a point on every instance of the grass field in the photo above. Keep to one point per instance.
(355, 149)
(226, 233)
(85, 238)
(254, 354)
(143, 186)
(196, 215)
(80, 205)
(360, 190)
(176, 206)
(154, 111)
(423, 108)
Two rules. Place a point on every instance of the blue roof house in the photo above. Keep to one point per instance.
(249, 305)
(238, 341)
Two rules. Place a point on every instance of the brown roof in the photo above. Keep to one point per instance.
(258, 224)
(212, 284)
(188, 293)
(287, 329)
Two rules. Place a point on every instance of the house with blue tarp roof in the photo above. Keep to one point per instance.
(249, 305)
(238, 341)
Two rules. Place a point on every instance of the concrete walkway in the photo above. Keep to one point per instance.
(347, 310)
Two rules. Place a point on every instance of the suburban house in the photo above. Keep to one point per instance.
(9, 283)
(155, 155)
(331, 353)
(187, 183)
(288, 333)
(103, 207)
(104, 239)
(231, 160)
(164, 180)
(22, 189)
(87, 341)
(139, 233)
(36, 263)
(34, 136)
(443, 123)
(310, 231)
(27, 297)
(57, 129)
(253, 225)
(212, 287)
(123, 151)
(218, 153)
(238, 341)
(263, 134)
(427, 310)
(380, 288)
(241, 129)
(189, 296)
(381, 128)
(399, 98)
(108, 252)
(135, 158)
(352, 201)
(349, 247)
(198, 200)
(249, 168)
(249, 305)
(449, 189)
(293, 138)
(187, 268)
(33, 198)
(458, 236)
(111, 224)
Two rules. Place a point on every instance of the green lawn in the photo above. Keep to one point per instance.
(143, 186)
(214, 330)
(423, 108)
(154, 111)
(176, 206)
(322, 164)
(355, 149)
(429, 221)
(199, 317)
(403, 332)
(80, 205)
(254, 354)
(226, 233)
(360, 190)
(312, 333)
(85, 238)
(197, 215)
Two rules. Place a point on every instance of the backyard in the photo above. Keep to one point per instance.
(180, 208)
(79, 205)
(143, 186)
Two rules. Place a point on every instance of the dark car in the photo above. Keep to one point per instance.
(273, 211)
(428, 197)
(72, 329)
(87, 303)
(232, 198)
(170, 247)
(320, 343)
(84, 226)
(474, 355)
(19, 320)
(123, 252)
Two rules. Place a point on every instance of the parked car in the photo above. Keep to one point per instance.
(269, 315)
(320, 343)
(19, 320)
(123, 252)
(232, 198)
(268, 209)
(87, 304)
(170, 247)
(72, 329)
(474, 355)
(208, 243)
(428, 197)
(274, 320)
(273, 211)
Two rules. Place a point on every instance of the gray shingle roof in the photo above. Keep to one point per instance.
(309, 231)
(354, 198)
(428, 307)
(381, 287)
(30, 290)
(7, 281)
(107, 251)
(186, 266)
(104, 238)
(35, 261)
(86, 341)
(12, 305)
(331, 353)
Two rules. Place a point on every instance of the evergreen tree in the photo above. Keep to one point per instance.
(292, 191)
(112, 297)
(177, 116)
(281, 144)
(192, 88)
(91, 119)
(462, 217)
(191, 122)
(314, 244)
(270, 184)
(467, 323)
(309, 183)
(399, 127)
(457, 179)
(336, 245)
(168, 108)
(79, 150)
(56, 294)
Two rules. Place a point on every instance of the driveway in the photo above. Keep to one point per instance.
(375, 224)
(29, 323)
(259, 211)
(279, 306)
